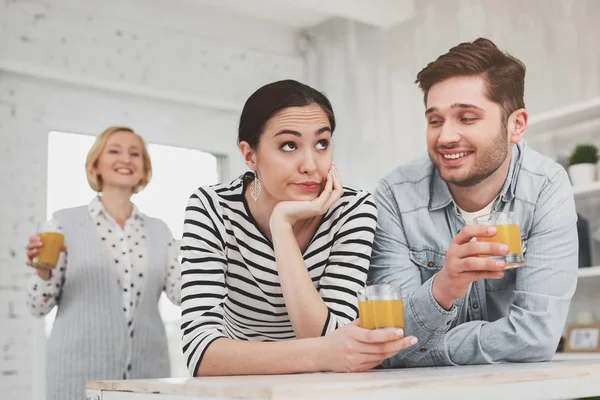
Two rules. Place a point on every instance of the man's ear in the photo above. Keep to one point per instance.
(517, 122)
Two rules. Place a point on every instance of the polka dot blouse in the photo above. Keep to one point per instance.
(127, 247)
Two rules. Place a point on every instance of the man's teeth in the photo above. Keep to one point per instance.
(454, 156)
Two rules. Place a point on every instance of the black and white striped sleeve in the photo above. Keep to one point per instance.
(203, 266)
(348, 263)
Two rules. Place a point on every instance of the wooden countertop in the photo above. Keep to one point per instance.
(556, 379)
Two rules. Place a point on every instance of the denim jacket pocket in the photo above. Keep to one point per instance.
(429, 261)
(494, 285)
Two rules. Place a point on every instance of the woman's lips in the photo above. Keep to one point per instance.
(308, 187)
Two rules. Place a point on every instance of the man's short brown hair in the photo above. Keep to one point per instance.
(504, 74)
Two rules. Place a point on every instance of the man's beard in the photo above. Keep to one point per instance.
(491, 158)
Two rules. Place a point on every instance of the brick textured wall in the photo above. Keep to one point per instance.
(177, 74)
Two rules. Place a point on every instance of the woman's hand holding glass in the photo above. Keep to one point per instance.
(44, 260)
(355, 349)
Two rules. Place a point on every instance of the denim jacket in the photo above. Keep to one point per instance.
(518, 318)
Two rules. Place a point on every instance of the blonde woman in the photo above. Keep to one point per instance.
(108, 283)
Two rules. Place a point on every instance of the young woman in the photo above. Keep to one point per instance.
(272, 261)
(108, 285)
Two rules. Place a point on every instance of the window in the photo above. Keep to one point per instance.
(177, 172)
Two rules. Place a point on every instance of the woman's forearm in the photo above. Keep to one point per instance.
(235, 357)
(306, 309)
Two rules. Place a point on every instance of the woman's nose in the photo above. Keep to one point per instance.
(309, 163)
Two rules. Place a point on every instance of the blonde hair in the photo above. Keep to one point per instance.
(91, 162)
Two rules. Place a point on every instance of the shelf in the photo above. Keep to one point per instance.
(575, 356)
(588, 272)
(564, 117)
(592, 188)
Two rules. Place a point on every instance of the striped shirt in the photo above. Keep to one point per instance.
(230, 287)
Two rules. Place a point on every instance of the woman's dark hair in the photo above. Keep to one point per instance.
(272, 98)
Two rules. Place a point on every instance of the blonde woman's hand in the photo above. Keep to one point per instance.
(33, 248)
(290, 212)
(354, 349)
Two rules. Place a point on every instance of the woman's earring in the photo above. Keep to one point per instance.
(255, 187)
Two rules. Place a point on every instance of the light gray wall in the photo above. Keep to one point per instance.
(381, 116)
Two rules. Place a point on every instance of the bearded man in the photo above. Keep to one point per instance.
(463, 307)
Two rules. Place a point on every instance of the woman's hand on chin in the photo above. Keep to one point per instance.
(290, 212)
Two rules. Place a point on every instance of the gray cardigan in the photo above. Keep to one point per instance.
(89, 339)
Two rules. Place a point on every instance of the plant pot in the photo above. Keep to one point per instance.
(582, 174)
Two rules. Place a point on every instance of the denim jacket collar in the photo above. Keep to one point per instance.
(440, 196)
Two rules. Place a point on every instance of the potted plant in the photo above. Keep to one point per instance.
(582, 164)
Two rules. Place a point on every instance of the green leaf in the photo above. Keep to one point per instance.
(584, 153)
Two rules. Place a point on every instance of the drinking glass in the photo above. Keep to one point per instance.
(380, 306)
(52, 243)
(508, 233)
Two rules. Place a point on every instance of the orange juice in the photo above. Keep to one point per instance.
(381, 314)
(509, 235)
(47, 256)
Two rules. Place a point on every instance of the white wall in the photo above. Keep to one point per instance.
(168, 49)
(177, 73)
(369, 73)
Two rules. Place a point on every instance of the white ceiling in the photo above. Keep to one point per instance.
(307, 13)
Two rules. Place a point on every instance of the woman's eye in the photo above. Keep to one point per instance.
(134, 154)
(289, 146)
(322, 144)
(113, 152)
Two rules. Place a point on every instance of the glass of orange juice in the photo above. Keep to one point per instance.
(52, 243)
(380, 306)
(508, 233)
